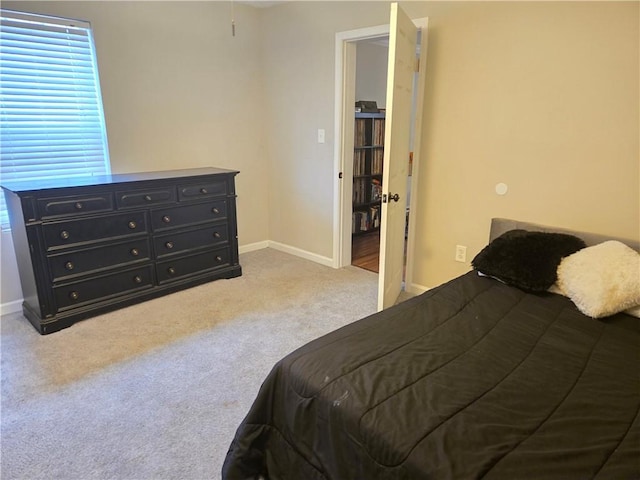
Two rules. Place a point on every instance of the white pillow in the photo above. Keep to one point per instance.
(634, 311)
(603, 279)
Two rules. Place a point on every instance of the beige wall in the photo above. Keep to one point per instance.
(371, 72)
(542, 96)
(179, 91)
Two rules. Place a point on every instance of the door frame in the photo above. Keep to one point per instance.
(345, 66)
(345, 71)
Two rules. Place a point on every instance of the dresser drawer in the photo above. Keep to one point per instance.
(78, 262)
(170, 270)
(78, 231)
(172, 217)
(75, 205)
(138, 198)
(180, 242)
(75, 294)
(202, 190)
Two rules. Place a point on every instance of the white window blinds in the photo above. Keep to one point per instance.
(51, 117)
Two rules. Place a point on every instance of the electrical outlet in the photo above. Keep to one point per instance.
(461, 253)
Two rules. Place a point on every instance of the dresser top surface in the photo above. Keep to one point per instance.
(113, 179)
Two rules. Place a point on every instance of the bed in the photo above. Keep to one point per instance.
(476, 378)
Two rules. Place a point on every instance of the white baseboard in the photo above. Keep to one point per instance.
(253, 246)
(416, 289)
(11, 307)
(282, 247)
(302, 253)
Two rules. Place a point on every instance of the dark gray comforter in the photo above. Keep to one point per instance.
(473, 379)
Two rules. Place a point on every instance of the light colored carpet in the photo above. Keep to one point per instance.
(157, 390)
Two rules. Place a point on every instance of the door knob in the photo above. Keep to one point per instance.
(395, 197)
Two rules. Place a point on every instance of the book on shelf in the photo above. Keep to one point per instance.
(359, 163)
(374, 216)
(377, 161)
(365, 220)
(378, 131)
(361, 222)
(359, 190)
(360, 133)
(376, 190)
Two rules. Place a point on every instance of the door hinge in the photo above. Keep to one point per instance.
(340, 175)
(417, 65)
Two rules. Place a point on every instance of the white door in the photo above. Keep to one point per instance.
(402, 60)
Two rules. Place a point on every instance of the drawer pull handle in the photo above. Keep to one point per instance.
(218, 258)
(64, 235)
(137, 279)
(216, 234)
(169, 245)
(135, 252)
(79, 206)
(69, 266)
(147, 198)
(74, 295)
(215, 210)
(166, 219)
(132, 225)
(203, 190)
(171, 271)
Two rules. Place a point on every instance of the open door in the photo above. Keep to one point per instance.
(402, 66)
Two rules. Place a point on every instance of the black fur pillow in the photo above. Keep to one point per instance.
(528, 260)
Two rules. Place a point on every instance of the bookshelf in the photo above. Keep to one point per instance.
(368, 153)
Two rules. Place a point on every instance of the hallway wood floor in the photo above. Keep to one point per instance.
(365, 251)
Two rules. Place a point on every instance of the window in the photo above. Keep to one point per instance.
(51, 117)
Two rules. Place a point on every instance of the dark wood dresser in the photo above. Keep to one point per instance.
(91, 245)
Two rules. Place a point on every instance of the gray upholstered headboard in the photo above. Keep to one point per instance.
(502, 225)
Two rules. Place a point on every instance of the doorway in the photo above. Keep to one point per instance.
(393, 233)
(370, 93)
(346, 44)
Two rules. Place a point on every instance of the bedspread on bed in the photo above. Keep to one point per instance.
(473, 379)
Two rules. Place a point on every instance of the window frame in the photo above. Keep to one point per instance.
(52, 122)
